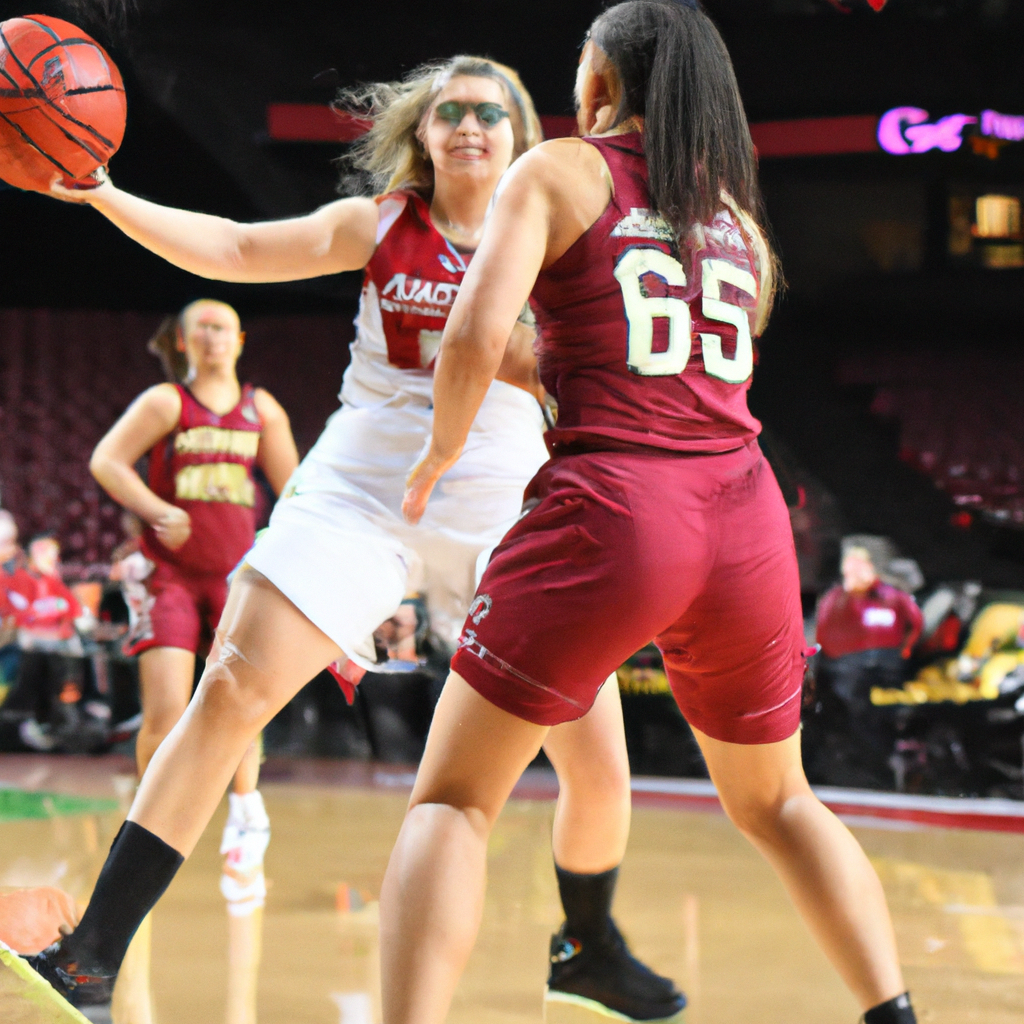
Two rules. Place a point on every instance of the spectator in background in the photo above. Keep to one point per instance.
(867, 630)
(12, 559)
(863, 614)
(50, 676)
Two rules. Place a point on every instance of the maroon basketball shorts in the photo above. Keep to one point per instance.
(693, 551)
(180, 610)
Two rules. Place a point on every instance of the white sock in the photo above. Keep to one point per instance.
(246, 809)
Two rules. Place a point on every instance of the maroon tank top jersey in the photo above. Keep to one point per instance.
(205, 467)
(641, 341)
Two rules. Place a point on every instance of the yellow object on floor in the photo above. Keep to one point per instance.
(26, 998)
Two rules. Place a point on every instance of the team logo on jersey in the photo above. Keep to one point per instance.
(644, 223)
(404, 294)
(218, 441)
(480, 608)
(215, 481)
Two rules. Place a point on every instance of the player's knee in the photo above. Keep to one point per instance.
(159, 721)
(440, 816)
(154, 730)
(757, 816)
(606, 782)
(226, 694)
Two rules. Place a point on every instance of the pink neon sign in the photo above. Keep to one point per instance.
(907, 130)
(1008, 127)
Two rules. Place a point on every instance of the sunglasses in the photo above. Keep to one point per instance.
(488, 114)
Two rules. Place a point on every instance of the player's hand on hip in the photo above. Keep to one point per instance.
(173, 528)
(420, 483)
(81, 194)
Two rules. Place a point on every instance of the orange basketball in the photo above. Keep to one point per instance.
(62, 103)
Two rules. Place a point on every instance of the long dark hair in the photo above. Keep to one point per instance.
(164, 345)
(676, 73)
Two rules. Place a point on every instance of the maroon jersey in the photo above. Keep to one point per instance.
(881, 617)
(205, 467)
(642, 341)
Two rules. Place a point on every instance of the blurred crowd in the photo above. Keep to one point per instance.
(55, 651)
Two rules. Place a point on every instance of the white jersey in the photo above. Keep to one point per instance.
(337, 545)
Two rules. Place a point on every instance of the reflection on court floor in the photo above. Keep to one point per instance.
(694, 899)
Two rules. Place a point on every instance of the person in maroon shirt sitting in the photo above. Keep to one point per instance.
(12, 559)
(867, 630)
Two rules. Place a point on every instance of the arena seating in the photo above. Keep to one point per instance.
(961, 421)
(65, 377)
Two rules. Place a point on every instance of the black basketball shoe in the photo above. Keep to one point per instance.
(88, 994)
(604, 977)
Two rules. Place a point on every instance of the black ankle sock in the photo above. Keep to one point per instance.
(138, 870)
(587, 901)
(895, 1011)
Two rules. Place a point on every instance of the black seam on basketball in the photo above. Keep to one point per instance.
(88, 88)
(17, 59)
(46, 28)
(50, 103)
(3, 71)
(72, 138)
(63, 42)
(20, 94)
(27, 138)
(81, 124)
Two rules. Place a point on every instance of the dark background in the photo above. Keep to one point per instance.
(200, 75)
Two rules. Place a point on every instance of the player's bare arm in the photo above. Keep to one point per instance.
(519, 364)
(339, 236)
(533, 220)
(277, 455)
(152, 416)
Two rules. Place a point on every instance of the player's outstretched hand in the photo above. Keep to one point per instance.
(420, 483)
(81, 195)
(173, 528)
(32, 919)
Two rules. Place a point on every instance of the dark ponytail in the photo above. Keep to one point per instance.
(675, 72)
(164, 345)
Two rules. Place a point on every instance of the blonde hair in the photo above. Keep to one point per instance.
(392, 152)
(164, 343)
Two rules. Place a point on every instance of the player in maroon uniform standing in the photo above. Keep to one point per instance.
(657, 516)
(204, 436)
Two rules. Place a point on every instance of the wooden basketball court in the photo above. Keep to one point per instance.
(695, 900)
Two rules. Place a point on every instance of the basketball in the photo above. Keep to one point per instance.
(62, 103)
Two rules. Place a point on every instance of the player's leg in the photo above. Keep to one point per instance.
(590, 961)
(247, 829)
(557, 610)
(166, 675)
(167, 658)
(267, 651)
(432, 898)
(245, 839)
(734, 661)
(830, 880)
(592, 815)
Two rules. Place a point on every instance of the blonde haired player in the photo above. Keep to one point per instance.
(334, 562)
